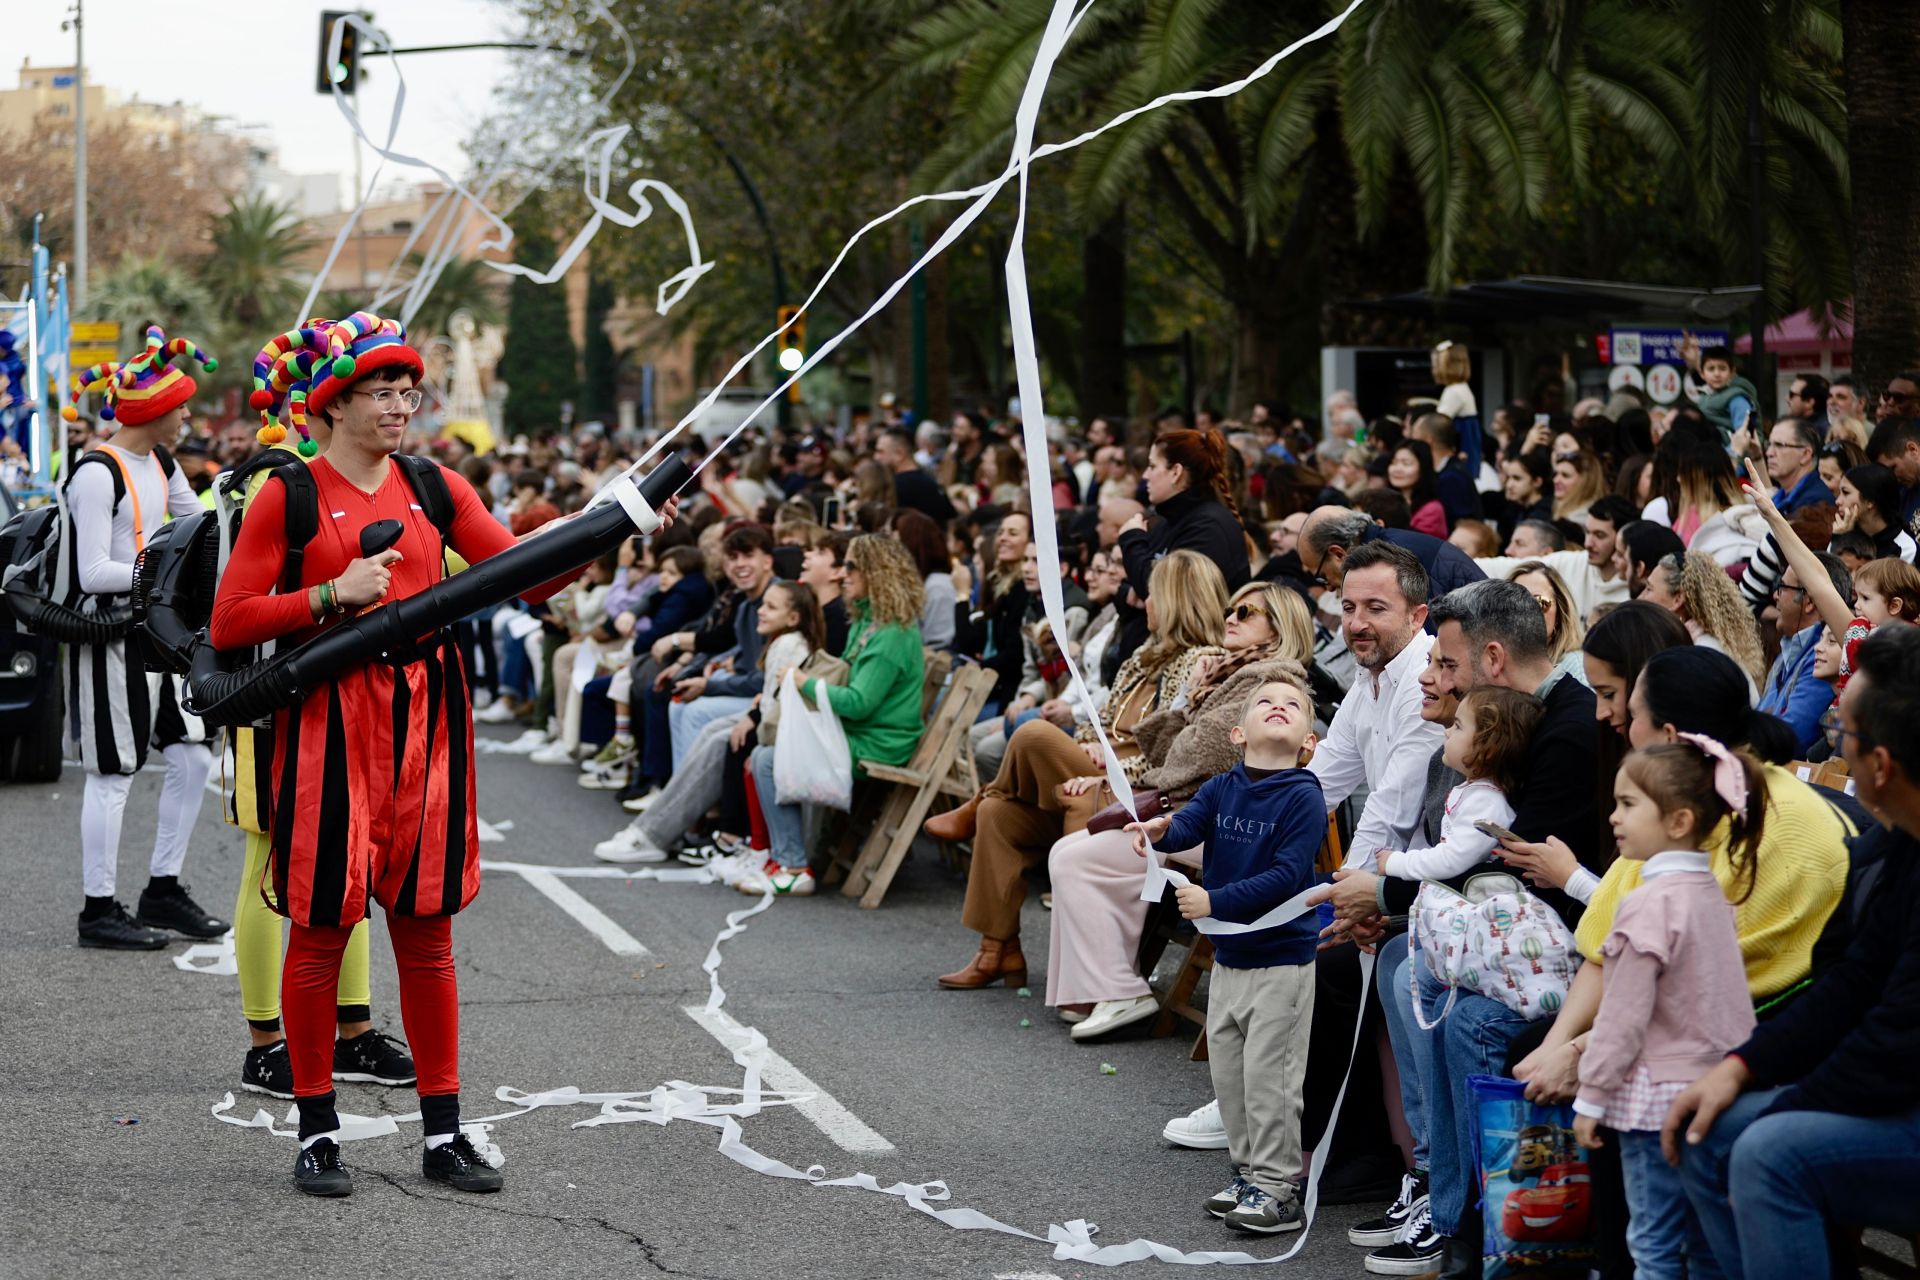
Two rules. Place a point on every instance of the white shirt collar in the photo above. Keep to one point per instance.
(1661, 864)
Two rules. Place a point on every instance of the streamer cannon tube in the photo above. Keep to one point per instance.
(243, 697)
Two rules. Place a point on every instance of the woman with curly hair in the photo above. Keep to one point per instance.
(878, 706)
(1018, 816)
(1699, 592)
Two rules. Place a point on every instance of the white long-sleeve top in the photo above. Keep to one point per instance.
(1377, 738)
(1462, 845)
(1584, 581)
(104, 545)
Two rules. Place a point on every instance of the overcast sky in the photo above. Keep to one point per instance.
(255, 61)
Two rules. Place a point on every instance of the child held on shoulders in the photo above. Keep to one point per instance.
(1262, 824)
(1676, 999)
(1487, 742)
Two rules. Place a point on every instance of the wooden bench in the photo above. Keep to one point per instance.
(1828, 773)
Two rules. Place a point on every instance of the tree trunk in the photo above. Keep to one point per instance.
(1886, 192)
(1103, 320)
(1267, 330)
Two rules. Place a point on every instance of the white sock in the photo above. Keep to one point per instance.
(331, 1135)
(437, 1140)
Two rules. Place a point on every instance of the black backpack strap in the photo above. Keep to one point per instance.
(303, 520)
(167, 464)
(235, 481)
(429, 483)
(119, 480)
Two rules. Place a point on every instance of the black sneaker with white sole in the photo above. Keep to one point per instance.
(1418, 1252)
(117, 931)
(458, 1165)
(174, 908)
(318, 1171)
(268, 1070)
(372, 1058)
(1228, 1198)
(1386, 1228)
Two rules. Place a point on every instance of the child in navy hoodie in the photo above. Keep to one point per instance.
(1262, 825)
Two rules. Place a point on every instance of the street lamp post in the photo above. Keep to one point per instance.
(79, 164)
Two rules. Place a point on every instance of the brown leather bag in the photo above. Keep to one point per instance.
(1150, 802)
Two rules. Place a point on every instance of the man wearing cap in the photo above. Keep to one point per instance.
(373, 787)
(118, 496)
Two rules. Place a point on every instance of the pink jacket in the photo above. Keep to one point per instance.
(1430, 519)
(1676, 990)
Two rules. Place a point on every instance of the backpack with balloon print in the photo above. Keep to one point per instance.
(1492, 938)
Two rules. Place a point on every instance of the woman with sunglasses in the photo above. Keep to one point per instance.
(1097, 913)
(1565, 630)
(1837, 457)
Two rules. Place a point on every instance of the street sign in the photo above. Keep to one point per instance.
(1659, 346)
(1663, 383)
(83, 357)
(99, 333)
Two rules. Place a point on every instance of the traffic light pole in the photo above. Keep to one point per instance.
(79, 164)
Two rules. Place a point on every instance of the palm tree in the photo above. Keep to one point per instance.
(465, 284)
(250, 273)
(1886, 204)
(137, 292)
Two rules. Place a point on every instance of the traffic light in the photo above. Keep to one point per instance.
(791, 351)
(344, 70)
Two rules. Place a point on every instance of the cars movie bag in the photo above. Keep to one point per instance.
(1536, 1197)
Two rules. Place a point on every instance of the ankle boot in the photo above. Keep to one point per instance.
(997, 961)
(955, 824)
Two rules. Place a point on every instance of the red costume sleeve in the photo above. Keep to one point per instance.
(245, 612)
(476, 535)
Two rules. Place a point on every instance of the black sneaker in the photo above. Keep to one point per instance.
(1386, 1228)
(1418, 1252)
(175, 909)
(116, 931)
(268, 1070)
(373, 1058)
(458, 1165)
(318, 1171)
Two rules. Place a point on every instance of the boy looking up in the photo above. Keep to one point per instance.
(1262, 824)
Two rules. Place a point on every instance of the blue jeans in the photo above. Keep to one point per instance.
(1471, 1040)
(1411, 1046)
(786, 824)
(685, 720)
(1662, 1230)
(1763, 1186)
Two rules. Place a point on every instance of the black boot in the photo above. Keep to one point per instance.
(1459, 1258)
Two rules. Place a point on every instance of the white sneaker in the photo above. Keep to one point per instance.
(775, 879)
(555, 752)
(731, 868)
(605, 777)
(482, 699)
(1111, 1015)
(530, 740)
(496, 712)
(1203, 1130)
(640, 804)
(629, 846)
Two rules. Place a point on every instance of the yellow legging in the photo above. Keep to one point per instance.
(258, 947)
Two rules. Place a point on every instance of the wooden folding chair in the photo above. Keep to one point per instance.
(1176, 1002)
(911, 788)
(841, 837)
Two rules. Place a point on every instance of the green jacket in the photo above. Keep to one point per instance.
(879, 706)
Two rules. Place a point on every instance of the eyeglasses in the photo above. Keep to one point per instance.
(1545, 602)
(1241, 612)
(1783, 587)
(1897, 396)
(1841, 734)
(386, 400)
(1786, 444)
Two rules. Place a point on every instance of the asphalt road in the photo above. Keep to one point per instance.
(919, 1084)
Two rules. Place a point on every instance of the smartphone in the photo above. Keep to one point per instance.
(1542, 419)
(830, 512)
(1497, 831)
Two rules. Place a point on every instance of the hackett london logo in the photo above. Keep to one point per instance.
(1240, 826)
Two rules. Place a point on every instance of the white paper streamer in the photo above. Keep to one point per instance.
(216, 958)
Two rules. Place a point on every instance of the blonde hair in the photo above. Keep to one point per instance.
(1569, 632)
(895, 594)
(1189, 596)
(1715, 604)
(1853, 429)
(1451, 363)
(1286, 614)
(1589, 486)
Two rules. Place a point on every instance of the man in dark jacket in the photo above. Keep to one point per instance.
(1331, 532)
(912, 487)
(1818, 1113)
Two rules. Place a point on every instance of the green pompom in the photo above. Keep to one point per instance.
(212, 364)
(307, 448)
(343, 366)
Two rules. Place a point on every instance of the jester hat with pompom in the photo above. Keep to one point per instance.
(140, 389)
(305, 369)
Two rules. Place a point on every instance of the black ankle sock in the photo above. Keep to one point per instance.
(439, 1113)
(158, 885)
(264, 1024)
(317, 1115)
(353, 1013)
(97, 907)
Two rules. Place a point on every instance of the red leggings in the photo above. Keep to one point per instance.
(429, 1001)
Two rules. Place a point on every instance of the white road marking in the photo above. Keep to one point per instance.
(844, 1129)
(591, 918)
(1025, 1275)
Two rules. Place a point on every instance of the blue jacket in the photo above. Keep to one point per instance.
(1447, 566)
(1261, 839)
(746, 678)
(1811, 491)
(675, 609)
(1792, 692)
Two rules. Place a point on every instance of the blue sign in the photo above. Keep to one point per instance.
(1659, 346)
(63, 82)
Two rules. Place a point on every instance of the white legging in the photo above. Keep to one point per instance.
(104, 804)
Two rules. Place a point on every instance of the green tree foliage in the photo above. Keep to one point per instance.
(249, 273)
(597, 388)
(138, 291)
(466, 284)
(539, 363)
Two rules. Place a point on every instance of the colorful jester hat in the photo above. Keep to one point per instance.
(140, 389)
(304, 369)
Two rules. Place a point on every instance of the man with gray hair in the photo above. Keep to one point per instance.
(1331, 534)
(1792, 691)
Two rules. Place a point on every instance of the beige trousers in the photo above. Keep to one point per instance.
(1258, 1024)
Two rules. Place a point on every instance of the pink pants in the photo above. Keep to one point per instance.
(1097, 918)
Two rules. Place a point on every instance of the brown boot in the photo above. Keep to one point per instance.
(997, 961)
(954, 824)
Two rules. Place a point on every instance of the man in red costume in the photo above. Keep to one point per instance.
(373, 788)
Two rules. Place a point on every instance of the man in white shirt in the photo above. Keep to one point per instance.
(1377, 738)
(119, 495)
(1590, 573)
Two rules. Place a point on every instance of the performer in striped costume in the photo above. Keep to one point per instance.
(118, 495)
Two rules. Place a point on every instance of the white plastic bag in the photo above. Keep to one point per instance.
(812, 763)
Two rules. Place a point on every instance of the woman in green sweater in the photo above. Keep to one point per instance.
(879, 706)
